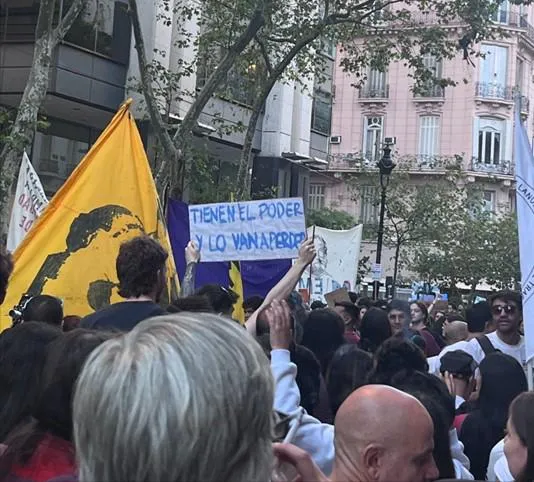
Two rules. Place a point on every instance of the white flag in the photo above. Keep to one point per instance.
(524, 161)
(30, 201)
(336, 263)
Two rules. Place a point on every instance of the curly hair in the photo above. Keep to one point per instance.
(6, 268)
(139, 264)
(397, 356)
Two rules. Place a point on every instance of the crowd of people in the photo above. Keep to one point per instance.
(361, 391)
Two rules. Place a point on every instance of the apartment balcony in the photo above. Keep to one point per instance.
(372, 94)
(504, 168)
(515, 20)
(433, 92)
(492, 91)
(524, 104)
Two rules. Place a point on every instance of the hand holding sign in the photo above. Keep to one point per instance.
(307, 252)
(192, 253)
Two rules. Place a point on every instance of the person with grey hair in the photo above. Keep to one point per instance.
(180, 397)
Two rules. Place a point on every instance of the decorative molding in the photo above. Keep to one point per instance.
(374, 108)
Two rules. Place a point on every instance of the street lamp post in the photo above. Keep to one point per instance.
(385, 165)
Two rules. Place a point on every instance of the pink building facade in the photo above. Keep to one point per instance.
(474, 119)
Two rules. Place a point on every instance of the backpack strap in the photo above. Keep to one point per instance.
(459, 421)
(486, 345)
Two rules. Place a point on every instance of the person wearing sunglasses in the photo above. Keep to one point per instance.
(507, 314)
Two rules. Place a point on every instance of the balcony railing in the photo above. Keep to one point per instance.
(435, 91)
(524, 103)
(374, 93)
(494, 91)
(499, 167)
(418, 19)
(519, 21)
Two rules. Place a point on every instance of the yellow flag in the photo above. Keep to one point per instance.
(71, 250)
(236, 284)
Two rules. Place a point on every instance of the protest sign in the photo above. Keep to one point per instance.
(340, 295)
(336, 264)
(30, 201)
(266, 229)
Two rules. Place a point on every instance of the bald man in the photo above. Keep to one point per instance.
(383, 435)
(455, 331)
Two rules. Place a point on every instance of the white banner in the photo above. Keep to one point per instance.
(30, 201)
(243, 231)
(524, 162)
(336, 264)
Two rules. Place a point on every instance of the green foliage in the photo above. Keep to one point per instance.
(330, 219)
(476, 247)
(294, 44)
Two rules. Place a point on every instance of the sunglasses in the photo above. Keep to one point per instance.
(508, 309)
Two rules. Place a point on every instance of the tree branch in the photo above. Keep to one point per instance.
(256, 23)
(68, 20)
(171, 153)
(264, 53)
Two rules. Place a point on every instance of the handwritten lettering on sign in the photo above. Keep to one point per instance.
(267, 229)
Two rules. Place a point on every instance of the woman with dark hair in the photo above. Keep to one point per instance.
(22, 355)
(41, 448)
(502, 380)
(323, 335)
(397, 356)
(348, 371)
(519, 441)
(221, 299)
(432, 392)
(374, 330)
(420, 320)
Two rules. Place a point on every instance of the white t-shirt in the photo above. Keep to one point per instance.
(498, 466)
(515, 351)
(434, 364)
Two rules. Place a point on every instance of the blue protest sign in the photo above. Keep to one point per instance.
(242, 231)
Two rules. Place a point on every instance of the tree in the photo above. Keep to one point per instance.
(415, 211)
(272, 40)
(47, 37)
(230, 27)
(478, 246)
(370, 34)
(330, 218)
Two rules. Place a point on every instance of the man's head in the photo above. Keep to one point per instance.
(251, 304)
(507, 311)
(461, 367)
(349, 312)
(6, 268)
(455, 331)
(398, 315)
(44, 308)
(141, 268)
(371, 441)
(214, 403)
(479, 318)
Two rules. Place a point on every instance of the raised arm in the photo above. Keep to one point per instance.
(287, 284)
(192, 257)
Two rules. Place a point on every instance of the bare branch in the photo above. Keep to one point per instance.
(68, 20)
(280, 40)
(264, 54)
(171, 153)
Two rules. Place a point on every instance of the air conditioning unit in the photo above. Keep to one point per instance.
(390, 140)
(335, 140)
